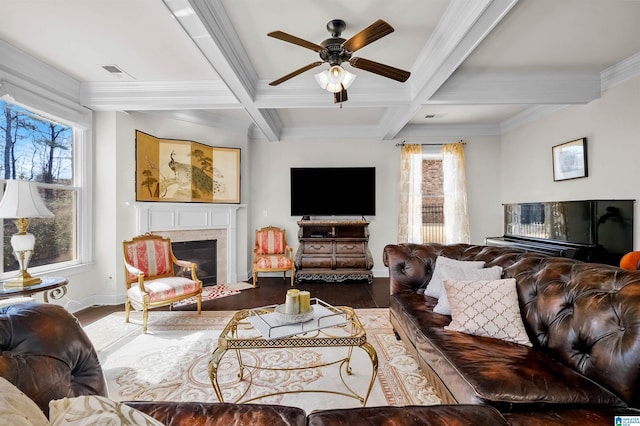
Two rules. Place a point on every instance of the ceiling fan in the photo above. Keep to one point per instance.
(336, 50)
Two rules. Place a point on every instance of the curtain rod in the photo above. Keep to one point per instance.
(431, 144)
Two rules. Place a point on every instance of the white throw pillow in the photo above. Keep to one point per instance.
(486, 308)
(455, 273)
(17, 409)
(434, 288)
(96, 410)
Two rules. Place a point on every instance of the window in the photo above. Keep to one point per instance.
(432, 196)
(43, 150)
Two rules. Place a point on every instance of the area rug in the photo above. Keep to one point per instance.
(170, 362)
(216, 292)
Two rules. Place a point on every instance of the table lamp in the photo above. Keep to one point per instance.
(22, 201)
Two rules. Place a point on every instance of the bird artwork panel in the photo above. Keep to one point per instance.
(185, 171)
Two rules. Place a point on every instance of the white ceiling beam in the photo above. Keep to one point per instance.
(463, 26)
(210, 28)
(514, 88)
(205, 118)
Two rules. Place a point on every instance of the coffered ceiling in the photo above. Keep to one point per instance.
(477, 66)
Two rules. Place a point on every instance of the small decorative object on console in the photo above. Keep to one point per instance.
(297, 308)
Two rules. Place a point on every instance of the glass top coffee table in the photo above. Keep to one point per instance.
(330, 327)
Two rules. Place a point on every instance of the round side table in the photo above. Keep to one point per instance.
(54, 287)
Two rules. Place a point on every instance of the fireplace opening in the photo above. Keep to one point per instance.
(203, 253)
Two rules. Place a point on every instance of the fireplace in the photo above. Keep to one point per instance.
(202, 253)
(196, 222)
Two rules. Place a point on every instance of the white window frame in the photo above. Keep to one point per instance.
(36, 86)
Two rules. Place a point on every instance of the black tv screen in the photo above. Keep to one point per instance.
(333, 191)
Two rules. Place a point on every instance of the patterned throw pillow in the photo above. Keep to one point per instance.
(486, 308)
(17, 409)
(434, 288)
(455, 273)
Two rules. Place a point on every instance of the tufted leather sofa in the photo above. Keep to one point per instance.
(583, 320)
(46, 354)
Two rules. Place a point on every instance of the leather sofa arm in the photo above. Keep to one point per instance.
(46, 354)
(410, 266)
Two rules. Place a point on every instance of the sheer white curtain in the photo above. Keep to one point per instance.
(410, 215)
(456, 216)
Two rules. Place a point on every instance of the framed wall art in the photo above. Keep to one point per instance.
(570, 160)
(174, 170)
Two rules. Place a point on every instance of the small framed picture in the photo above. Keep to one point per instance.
(570, 160)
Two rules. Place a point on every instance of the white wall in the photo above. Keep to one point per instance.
(270, 192)
(114, 197)
(611, 125)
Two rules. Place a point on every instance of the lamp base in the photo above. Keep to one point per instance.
(21, 281)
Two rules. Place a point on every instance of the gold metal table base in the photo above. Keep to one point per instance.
(230, 339)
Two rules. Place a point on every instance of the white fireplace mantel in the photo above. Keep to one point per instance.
(167, 217)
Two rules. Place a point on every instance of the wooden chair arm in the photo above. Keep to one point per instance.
(189, 265)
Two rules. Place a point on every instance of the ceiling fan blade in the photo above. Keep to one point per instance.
(294, 73)
(295, 40)
(370, 34)
(380, 69)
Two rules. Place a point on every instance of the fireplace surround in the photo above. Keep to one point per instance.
(196, 222)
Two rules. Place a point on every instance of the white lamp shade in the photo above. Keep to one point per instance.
(335, 79)
(21, 200)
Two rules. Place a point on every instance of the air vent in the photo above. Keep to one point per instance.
(439, 115)
(116, 71)
(113, 69)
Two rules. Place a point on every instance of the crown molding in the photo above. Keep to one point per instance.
(621, 72)
(27, 81)
(25, 70)
(529, 115)
(134, 95)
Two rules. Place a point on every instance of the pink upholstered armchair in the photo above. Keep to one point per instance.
(150, 278)
(271, 253)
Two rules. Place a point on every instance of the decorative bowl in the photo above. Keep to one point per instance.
(284, 318)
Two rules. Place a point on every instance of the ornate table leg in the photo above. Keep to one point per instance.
(56, 293)
(213, 371)
(374, 366)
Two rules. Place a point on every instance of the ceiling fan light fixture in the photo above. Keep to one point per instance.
(335, 79)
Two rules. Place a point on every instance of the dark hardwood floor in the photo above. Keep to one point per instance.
(271, 291)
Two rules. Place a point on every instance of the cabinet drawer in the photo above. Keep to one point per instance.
(315, 262)
(316, 248)
(351, 262)
(350, 247)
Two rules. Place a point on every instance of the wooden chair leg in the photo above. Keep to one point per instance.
(255, 279)
(145, 318)
(127, 310)
(199, 303)
(292, 277)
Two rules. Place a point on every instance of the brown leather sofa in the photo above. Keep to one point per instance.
(583, 320)
(47, 355)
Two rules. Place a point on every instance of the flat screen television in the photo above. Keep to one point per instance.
(333, 191)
